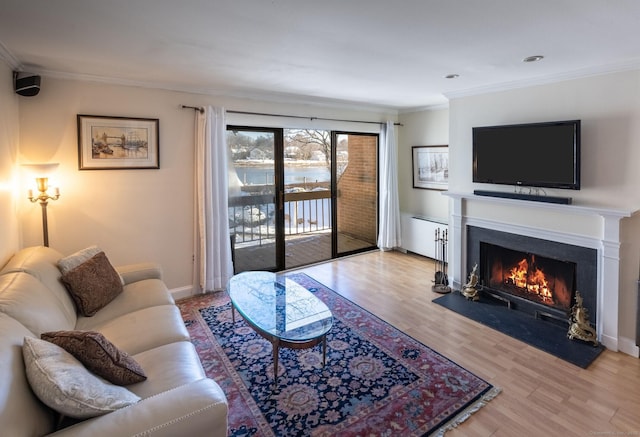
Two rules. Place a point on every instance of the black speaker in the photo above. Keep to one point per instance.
(26, 84)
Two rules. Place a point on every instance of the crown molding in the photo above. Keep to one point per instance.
(546, 80)
(9, 59)
(317, 102)
(434, 107)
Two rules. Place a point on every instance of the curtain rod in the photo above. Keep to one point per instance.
(201, 110)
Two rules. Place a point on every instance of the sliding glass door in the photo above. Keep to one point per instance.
(307, 197)
(255, 187)
(300, 196)
(356, 192)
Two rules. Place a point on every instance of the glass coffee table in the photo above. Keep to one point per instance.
(280, 310)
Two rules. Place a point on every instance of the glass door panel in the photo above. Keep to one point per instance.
(356, 189)
(307, 196)
(254, 184)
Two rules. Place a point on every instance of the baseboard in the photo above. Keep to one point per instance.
(520, 196)
(182, 292)
(629, 347)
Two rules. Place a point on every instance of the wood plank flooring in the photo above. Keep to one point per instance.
(541, 394)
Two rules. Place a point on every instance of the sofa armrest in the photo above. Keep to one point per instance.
(197, 408)
(138, 272)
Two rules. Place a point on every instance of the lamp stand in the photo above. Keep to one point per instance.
(45, 227)
(43, 198)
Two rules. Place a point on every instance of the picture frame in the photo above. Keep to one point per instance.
(430, 167)
(117, 143)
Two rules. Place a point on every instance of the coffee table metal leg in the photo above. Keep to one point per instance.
(324, 350)
(276, 349)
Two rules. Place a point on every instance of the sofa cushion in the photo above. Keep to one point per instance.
(141, 330)
(168, 366)
(30, 302)
(135, 296)
(41, 263)
(64, 384)
(98, 355)
(93, 284)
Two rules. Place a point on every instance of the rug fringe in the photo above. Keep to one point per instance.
(467, 412)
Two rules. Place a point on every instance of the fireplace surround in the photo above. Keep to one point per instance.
(549, 222)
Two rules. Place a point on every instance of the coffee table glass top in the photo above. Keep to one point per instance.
(279, 306)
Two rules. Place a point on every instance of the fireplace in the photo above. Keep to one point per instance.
(591, 232)
(521, 276)
(535, 276)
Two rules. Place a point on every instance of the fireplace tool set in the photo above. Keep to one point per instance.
(441, 281)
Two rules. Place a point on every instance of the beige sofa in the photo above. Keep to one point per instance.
(143, 321)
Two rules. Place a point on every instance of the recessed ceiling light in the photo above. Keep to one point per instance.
(534, 58)
(452, 76)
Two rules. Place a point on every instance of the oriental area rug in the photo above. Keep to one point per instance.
(376, 380)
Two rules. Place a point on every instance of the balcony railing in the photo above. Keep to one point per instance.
(252, 218)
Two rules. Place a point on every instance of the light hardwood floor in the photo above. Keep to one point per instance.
(541, 394)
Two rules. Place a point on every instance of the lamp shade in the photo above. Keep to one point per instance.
(41, 170)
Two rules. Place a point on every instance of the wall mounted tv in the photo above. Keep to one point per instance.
(534, 154)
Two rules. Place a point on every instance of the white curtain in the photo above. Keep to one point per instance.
(213, 265)
(390, 235)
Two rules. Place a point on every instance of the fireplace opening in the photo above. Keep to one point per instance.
(541, 280)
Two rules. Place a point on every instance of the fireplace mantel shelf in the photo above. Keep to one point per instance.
(572, 208)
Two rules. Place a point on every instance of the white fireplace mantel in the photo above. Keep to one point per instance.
(607, 245)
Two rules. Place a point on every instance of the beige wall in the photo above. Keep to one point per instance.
(135, 215)
(421, 128)
(9, 233)
(609, 107)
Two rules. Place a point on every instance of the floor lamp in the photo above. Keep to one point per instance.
(43, 197)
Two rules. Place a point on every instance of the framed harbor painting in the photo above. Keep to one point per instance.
(430, 167)
(110, 143)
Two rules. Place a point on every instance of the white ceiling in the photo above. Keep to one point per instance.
(369, 53)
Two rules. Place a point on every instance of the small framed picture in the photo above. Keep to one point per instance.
(430, 167)
(115, 143)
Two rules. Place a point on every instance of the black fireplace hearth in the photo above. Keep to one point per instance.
(548, 337)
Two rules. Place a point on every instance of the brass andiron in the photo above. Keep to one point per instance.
(580, 327)
(470, 290)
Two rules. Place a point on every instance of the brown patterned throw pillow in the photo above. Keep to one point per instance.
(98, 355)
(93, 284)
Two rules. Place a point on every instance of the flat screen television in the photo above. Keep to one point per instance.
(534, 154)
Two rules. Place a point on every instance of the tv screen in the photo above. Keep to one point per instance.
(535, 154)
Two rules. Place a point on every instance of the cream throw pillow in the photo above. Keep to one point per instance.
(61, 382)
(72, 261)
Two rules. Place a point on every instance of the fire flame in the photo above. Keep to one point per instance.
(531, 279)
